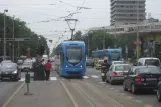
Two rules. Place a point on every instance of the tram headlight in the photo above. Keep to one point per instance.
(81, 66)
(66, 66)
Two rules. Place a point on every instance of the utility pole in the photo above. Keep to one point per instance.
(137, 41)
(115, 36)
(13, 41)
(18, 49)
(88, 45)
(4, 57)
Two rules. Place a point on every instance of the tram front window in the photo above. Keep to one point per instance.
(73, 54)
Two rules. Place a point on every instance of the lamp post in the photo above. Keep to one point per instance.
(4, 57)
(38, 40)
(72, 28)
(137, 39)
(13, 41)
(115, 33)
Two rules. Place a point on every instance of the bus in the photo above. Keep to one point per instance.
(71, 55)
(110, 54)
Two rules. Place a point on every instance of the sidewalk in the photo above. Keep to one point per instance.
(45, 94)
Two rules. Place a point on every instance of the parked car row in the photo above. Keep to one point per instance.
(145, 75)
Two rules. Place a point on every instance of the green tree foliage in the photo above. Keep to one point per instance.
(96, 38)
(20, 31)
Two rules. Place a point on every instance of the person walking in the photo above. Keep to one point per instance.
(48, 67)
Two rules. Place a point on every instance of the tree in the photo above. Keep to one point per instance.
(20, 31)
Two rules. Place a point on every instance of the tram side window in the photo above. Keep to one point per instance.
(61, 58)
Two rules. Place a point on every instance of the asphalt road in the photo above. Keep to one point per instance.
(146, 98)
(87, 92)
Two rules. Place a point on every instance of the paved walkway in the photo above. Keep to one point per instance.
(45, 94)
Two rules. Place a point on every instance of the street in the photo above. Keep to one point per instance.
(87, 92)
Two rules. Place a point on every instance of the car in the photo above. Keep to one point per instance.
(10, 71)
(6, 61)
(159, 91)
(89, 63)
(149, 61)
(117, 62)
(116, 73)
(99, 64)
(142, 78)
(27, 65)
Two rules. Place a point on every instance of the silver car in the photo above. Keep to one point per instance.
(116, 73)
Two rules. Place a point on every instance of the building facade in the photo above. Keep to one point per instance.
(127, 11)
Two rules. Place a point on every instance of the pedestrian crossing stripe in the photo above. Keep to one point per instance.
(51, 78)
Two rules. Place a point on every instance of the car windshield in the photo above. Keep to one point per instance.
(27, 63)
(122, 67)
(153, 70)
(8, 66)
(118, 62)
(154, 62)
(74, 54)
(89, 61)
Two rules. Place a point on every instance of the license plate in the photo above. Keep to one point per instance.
(103, 74)
(151, 79)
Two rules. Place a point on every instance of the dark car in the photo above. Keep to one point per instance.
(159, 91)
(90, 63)
(10, 71)
(142, 78)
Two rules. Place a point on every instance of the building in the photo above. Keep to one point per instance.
(127, 11)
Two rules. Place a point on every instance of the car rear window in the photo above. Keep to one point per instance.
(122, 67)
(154, 62)
(153, 70)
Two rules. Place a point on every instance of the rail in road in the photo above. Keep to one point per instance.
(92, 92)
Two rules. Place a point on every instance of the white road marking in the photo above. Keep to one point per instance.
(53, 78)
(85, 77)
(94, 76)
(22, 79)
(111, 88)
(101, 82)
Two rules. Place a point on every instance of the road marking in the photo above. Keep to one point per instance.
(22, 79)
(18, 89)
(85, 77)
(94, 76)
(53, 78)
(69, 94)
(147, 105)
(101, 82)
(111, 88)
(129, 97)
(138, 101)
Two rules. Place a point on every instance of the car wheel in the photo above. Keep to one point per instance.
(133, 89)
(124, 85)
(158, 96)
(107, 80)
(111, 81)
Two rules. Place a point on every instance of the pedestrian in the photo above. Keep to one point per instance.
(48, 67)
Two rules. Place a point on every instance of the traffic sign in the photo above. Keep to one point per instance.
(15, 39)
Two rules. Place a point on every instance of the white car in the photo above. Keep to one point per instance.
(116, 73)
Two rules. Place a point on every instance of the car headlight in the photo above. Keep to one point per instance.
(14, 72)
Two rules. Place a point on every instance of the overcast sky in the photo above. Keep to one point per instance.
(39, 14)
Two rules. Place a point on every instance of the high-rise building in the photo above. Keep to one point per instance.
(127, 11)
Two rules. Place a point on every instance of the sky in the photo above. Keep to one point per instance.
(46, 17)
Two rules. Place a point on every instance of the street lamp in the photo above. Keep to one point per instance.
(137, 45)
(39, 40)
(115, 33)
(13, 41)
(72, 28)
(4, 58)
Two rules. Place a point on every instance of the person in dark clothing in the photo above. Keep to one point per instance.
(48, 67)
(106, 64)
(38, 69)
